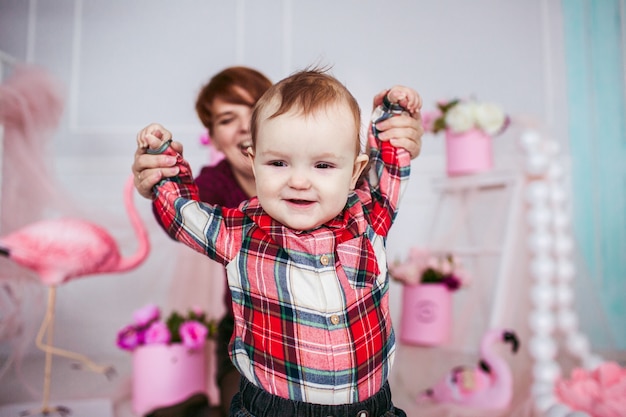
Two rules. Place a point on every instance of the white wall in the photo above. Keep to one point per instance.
(128, 63)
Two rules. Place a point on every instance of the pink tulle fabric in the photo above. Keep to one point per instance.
(600, 392)
(31, 105)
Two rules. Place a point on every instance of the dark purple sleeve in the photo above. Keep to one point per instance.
(217, 185)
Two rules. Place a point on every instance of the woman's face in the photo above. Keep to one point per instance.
(231, 134)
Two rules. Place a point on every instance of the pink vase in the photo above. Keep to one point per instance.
(426, 314)
(165, 375)
(468, 152)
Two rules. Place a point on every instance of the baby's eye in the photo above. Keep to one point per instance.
(323, 165)
(277, 163)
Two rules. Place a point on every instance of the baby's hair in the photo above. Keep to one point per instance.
(305, 92)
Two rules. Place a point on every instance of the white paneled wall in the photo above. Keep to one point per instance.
(128, 63)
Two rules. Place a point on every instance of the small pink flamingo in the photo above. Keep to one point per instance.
(60, 250)
(487, 386)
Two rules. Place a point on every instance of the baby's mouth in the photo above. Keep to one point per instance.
(300, 202)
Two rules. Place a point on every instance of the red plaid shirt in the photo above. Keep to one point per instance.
(312, 320)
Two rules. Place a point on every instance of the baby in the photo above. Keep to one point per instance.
(305, 259)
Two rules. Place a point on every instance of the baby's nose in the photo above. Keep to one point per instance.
(299, 179)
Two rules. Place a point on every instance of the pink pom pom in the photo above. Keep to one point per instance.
(205, 139)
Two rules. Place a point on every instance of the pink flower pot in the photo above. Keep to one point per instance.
(165, 375)
(468, 152)
(426, 314)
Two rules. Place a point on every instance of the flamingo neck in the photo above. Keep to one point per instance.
(499, 368)
(138, 226)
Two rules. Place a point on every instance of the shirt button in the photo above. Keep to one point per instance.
(334, 319)
(324, 259)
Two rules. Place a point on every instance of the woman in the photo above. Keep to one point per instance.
(224, 106)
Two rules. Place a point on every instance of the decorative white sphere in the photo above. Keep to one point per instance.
(544, 401)
(542, 348)
(563, 245)
(561, 220)
(567, 320)
(537, 192)
(542, 295)
(539, 217)
(557, 410)
(530, 140)
(555, 171)
(565, 270)
(546, 371)
(537, 164)
(540, 242)
(592, 361)
(542, 267)
(551, 147)
(541, 322)
(578, 344)
(564, 295)
(557, 194)
(541, 387)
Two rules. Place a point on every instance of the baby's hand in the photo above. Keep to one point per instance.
(153, 136)
(406, 97)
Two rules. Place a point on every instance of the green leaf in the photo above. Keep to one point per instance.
(445, 107)
(174, 322)
(431, 276)
(439, 125)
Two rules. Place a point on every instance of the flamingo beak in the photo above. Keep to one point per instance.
(5, 252)
(509, 336)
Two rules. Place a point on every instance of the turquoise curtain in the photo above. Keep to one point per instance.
(594, 51)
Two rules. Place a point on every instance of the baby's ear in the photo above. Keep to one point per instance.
(359, 165)
(250, 153)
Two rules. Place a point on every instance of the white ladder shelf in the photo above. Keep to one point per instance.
(461, 196)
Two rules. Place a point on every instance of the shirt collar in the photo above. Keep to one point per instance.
(350, 223)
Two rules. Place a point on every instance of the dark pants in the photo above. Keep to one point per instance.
(252, 401)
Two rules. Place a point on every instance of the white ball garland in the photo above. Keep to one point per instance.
(551, 267)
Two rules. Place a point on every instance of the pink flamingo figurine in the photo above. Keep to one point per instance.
(487, 386)
(60, 250)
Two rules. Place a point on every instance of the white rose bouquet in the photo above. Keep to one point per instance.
(462, 115)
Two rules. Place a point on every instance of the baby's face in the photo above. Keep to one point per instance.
(305, 166)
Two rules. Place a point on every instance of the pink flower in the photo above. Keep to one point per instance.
(410, 271)
(433, 262)
(428, 119)
(600, 393)
(129, 338)
(157, 333)
(146, 315)
(193, 334)
(419, 256)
